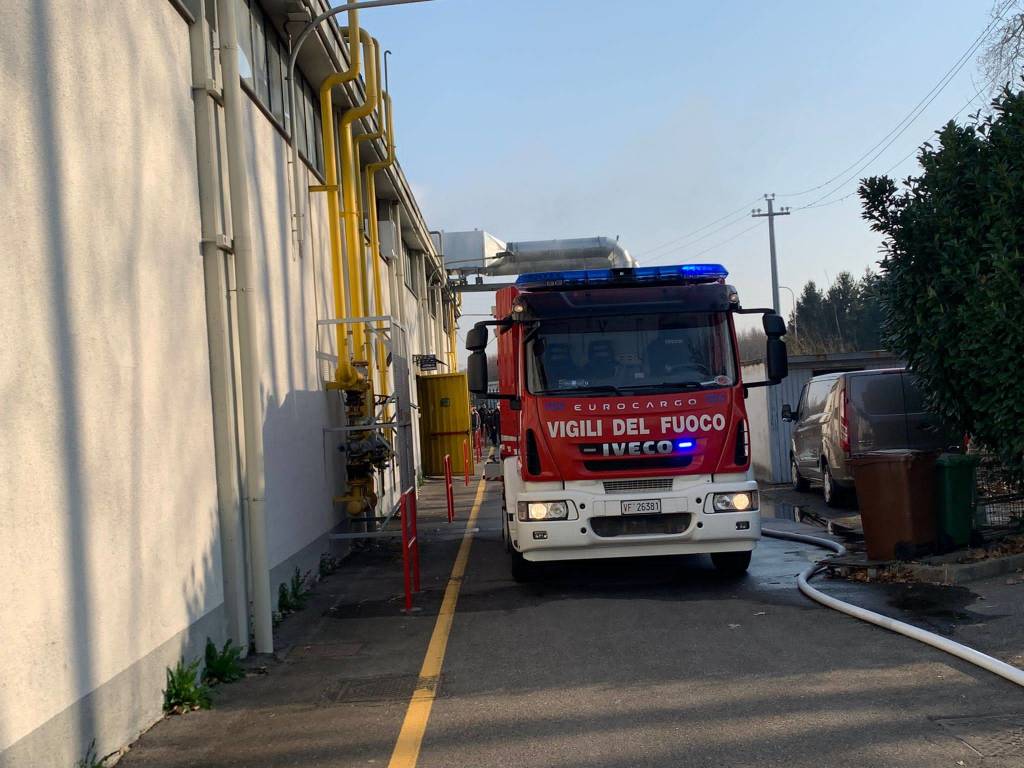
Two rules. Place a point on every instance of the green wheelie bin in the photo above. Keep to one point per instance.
(956, 498)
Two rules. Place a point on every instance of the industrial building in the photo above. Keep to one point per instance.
(203, 381)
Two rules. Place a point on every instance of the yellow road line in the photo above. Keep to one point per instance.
(410, 738)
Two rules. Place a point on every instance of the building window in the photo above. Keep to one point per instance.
(242, 16)
(274, 68)
(432, 301)
(262, 62)
(410, 271)
(261, 82)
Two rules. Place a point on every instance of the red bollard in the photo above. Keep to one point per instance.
(415, 541)
(405, 552)
(448, 492)
(465, 458)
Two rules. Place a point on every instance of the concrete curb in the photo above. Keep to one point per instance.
(949, 574)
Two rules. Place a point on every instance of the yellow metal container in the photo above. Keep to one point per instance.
(444, 422)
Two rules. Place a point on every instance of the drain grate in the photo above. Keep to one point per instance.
(365, 690)
(992, 736)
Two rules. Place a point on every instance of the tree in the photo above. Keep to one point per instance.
(1002, 60)
(953, 269)
(843, 299)
(846, 317)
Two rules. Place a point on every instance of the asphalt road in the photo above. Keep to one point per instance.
(622, 663)
(653, 663)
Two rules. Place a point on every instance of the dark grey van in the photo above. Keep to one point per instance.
(844, 414)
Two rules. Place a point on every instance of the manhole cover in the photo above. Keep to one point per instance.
(369, 689)
(992, 736)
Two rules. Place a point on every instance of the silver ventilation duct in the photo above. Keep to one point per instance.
(480, 253)
(574, 253)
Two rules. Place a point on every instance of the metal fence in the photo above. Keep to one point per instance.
(1000, 495)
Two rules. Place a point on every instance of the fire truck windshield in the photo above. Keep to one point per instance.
(629, 354)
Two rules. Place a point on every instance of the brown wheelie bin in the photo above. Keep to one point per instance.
(896, 491)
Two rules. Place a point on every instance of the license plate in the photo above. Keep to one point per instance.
(641, 507)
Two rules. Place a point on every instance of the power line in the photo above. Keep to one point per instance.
(911, 116)
(742, 209)
(895, 165)
(726, 242)
(673, 251)
(898, 130)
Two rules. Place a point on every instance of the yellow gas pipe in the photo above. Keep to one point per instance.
(453, 344)
(345, 375)
(349, 179)
(384, 131)
(371, 201)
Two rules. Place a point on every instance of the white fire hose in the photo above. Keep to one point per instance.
(969, 655)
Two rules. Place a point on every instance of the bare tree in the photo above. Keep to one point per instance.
(1002, 57)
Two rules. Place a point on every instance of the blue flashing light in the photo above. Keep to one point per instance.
(685, 445)
(679, 273)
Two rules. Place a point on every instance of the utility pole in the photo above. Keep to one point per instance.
(771, 214)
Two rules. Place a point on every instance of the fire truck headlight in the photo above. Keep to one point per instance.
(742, 501)
(535, 511)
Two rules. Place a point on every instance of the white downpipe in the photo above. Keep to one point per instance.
(245, 284)
(970, 655)
(218, 336)
(399, 271)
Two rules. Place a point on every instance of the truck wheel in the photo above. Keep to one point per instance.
(731, 563)
(799, 481)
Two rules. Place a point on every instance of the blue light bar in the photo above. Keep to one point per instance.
(679, 273)
(684, 445)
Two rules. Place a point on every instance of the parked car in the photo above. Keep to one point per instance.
(844, 414)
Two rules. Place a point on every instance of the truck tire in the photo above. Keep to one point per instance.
(731, 563)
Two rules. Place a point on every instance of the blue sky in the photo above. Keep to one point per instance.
(569, 118)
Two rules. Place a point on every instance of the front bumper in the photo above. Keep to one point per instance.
(699, 529)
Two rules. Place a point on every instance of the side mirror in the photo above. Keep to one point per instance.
(787, 413)
(776, 360)
(774, 325)
(476, 370)
(476, 339)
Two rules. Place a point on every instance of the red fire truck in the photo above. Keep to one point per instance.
(623, 426)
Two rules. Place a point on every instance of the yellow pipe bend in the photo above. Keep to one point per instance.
(345, 373)
(349, 180)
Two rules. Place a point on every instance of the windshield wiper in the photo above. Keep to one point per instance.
(670, 385)
(590, 388)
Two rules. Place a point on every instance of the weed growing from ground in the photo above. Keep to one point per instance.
(298, 594)
(284, 600)
(90, 760)
(328, 565)
(185, 690)
(223, 666)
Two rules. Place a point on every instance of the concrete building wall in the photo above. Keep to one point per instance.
(109, 551)
(299, 510)
(110, 548)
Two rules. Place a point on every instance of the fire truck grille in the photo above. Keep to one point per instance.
(624, 465)
(640, 525)
(631, 486)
